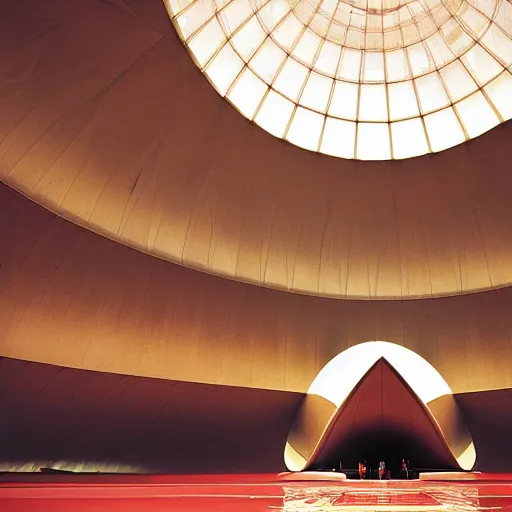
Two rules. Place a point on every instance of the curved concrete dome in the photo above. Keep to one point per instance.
(106, 120)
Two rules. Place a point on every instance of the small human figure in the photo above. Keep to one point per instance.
(405, 469)
(362, 470)
(382, 469)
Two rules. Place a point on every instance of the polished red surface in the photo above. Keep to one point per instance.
(250, 493)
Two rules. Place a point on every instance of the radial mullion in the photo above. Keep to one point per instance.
(491, 104)
(361, 70)
(415, 88)
(324, 40)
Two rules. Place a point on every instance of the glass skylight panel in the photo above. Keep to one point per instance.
(248, 39)
(403, 101)
(319, 24)
(176, 6)
(374, 41)
(207, 42)
(328, 59)
(504, 16)
(476, 114)
(274, 114)
(457, 80)
(317, 92)
(306, 129)
(499, 92)
(444, 129)
(426, 27)
(350, 65)
(431, 93)
(267, 60)
(337, 33)
(373, 67)
(234, 14)
(288, 31)
(397, 68)
(408, 138)
(247, 93)
(355, 39)
(393, 39)
(373, 103)
(304, 10)
(272, 13)
(473, 21)
(224, 68)
(499, 44)
(291, 78)
(339, 138)
(307, 47)
(344, 101)
(410, 34)
(365, 79)
(481, 64)
(373, 141)
(193, 18)
(420, 59)
(439, 50)
(485, 6)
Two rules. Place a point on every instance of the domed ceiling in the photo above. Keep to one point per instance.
(107, 121)
(365, 79)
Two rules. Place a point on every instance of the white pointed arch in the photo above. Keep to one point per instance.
(341, 374)
(338, 378)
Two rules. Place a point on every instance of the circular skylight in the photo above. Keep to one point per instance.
(365, 79)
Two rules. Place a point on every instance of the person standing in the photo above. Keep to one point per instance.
(362, 470)
(382, 469)
(405, 469)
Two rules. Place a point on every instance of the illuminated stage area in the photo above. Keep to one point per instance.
(253, 493)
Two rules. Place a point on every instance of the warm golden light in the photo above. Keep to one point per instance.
(341, 375)
(372, 79)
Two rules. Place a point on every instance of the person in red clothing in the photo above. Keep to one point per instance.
(362, 470)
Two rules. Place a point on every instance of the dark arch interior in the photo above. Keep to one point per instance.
(383, 443)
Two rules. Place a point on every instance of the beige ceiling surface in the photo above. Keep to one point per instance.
(106, 120)
(73, 298)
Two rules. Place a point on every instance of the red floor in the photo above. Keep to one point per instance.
(251, 493)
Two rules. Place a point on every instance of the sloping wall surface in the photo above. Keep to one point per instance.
(73, 298)
(106, 120)
(91, 421)
(79, 420)
(489, 416)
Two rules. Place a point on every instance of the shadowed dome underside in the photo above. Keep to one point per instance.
(107, 122)
(363, 79)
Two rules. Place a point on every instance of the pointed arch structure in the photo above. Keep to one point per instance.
(335, 385)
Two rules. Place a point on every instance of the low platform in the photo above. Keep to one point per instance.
(312, 476)
(249, 493)
(462, 476)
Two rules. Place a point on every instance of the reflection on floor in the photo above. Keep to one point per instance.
(249, 493)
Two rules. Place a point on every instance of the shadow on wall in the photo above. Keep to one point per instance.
(80, 420)
(489, 417)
